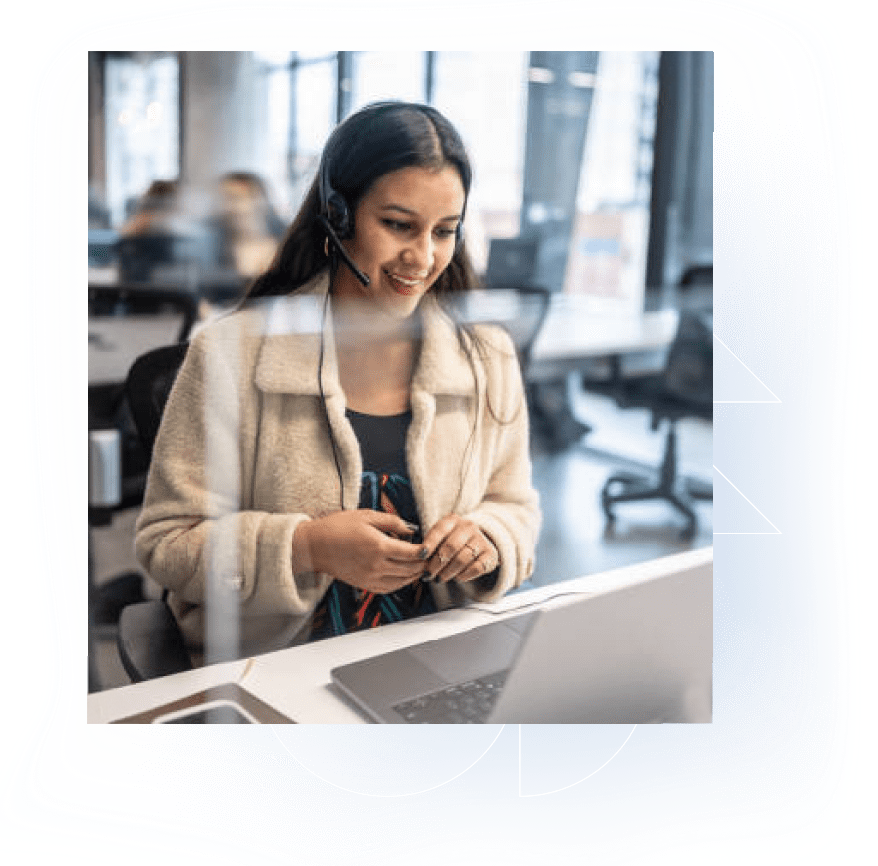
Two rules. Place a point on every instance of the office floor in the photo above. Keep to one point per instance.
(574, 539)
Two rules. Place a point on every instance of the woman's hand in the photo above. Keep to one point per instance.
(360, 548)
(458, 550)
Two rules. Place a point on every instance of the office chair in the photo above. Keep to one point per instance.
(552, 425)
(125, 299)
(148, 639)
(684, 389)
(146, 258)
(530, 308)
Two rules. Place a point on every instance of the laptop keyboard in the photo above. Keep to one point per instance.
(463, 703)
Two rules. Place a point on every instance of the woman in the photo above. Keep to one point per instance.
(343, 381)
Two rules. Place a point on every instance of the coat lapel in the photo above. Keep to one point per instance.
(288, 363)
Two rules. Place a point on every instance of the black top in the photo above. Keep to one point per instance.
(385, 487)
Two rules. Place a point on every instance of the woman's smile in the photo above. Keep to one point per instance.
(405, 285)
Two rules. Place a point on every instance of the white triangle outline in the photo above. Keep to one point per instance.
(572, 784)
(776, 530)
(775, 400)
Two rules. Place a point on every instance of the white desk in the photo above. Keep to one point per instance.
(573, 335)
(577, 329)
(296, 681)
(115, 342)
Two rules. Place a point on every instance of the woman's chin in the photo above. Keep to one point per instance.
(401, 305)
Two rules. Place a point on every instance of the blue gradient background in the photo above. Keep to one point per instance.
(785, 772)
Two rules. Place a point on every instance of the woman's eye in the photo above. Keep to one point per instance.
(397, 226)
(446, 232)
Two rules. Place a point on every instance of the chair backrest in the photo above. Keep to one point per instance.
(148, 386)
(688, 373)
(139, 254)
(532, 309)
(134, 300)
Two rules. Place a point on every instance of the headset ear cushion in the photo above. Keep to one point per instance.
(339, 215)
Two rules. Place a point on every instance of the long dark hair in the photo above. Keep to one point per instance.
(374, 141)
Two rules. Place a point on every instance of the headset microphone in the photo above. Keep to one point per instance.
(333, 237)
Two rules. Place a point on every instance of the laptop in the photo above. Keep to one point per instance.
(637, 652)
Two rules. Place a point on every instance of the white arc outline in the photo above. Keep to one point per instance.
(572, 784)
(384, 796)
(776, 530)
(775, 400)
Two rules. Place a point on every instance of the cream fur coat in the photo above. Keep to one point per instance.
(243, 456)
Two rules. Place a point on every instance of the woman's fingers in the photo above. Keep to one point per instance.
(360, 548)
(467, 562)
(438, 532)
(485, 563)
(390, 524)
(462, 553)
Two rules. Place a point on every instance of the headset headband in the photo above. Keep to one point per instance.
(334, 207)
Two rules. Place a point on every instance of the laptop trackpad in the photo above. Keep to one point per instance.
(475, 653)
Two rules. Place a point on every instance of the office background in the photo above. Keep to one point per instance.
(785, 769)
(592, 170)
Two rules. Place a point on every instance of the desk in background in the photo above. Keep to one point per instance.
(573, 337)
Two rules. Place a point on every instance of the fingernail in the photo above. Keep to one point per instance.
(424, 553)
(411, 526)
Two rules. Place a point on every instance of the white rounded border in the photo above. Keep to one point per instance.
(572, 784)
(387, 796)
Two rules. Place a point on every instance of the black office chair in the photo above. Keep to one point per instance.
(127, 299)
(149, 641)
(552, 424)
(142, 258)
(529, 311)
(550, 420)
(684, 389)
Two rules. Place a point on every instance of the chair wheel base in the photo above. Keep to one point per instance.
(625, 487)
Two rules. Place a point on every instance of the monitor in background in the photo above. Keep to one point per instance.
(512, 263)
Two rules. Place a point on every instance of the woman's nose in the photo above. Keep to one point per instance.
(420, 253)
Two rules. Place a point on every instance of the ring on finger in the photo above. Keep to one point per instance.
(441, 558)
(474, 551)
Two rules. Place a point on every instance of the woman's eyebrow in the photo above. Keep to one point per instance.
(409, 212)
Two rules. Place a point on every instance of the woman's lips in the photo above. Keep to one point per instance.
(405, 285)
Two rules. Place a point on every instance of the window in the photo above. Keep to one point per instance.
(387, 75)
(484, 94)
(608, 251)
(141, 120)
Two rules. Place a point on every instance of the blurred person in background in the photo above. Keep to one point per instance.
(160, 242)
(156, 212)
(248, 229)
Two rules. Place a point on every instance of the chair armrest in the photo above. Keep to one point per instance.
(150, 643)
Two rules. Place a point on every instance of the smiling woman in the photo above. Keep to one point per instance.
(342, 452)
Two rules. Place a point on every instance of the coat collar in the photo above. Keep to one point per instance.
(289, 356)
